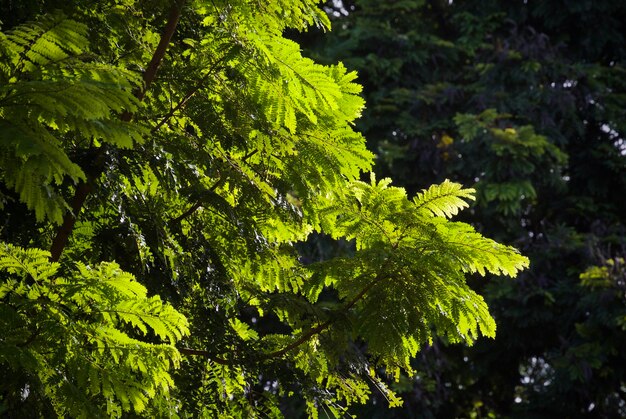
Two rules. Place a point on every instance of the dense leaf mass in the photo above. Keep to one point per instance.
(179, 159)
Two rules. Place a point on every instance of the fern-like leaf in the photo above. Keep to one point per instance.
(50, 97)
(444, 200)
(78, 330)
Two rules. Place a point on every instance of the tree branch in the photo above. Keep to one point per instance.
(187, 213)
(159, 53)
(320, 328)
(198, 352)
(195, 206)
(303, 338)
(198, 204)
(188, 95)
(84, 188)
(180, 104)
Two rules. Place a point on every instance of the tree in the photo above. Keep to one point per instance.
(510, 98)
(161, 162)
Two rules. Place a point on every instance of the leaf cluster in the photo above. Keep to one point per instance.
(75, 335)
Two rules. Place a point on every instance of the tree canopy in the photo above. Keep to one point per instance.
(164, 166)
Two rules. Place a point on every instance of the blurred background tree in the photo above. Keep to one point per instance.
(526, 101)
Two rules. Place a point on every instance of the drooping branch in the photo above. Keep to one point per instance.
(323, 326)
(83, 189)
(304, 337)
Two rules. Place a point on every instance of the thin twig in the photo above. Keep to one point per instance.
(320, 328)
(306, 336)
(199, 85)
(197, 352)
(195, 206)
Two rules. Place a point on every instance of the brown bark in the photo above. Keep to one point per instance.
(84, 188)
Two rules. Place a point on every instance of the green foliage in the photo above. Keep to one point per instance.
(404, 284)
(53, 97)
(421, 291)
(519, 156)
(205, 183)
(73, 335)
